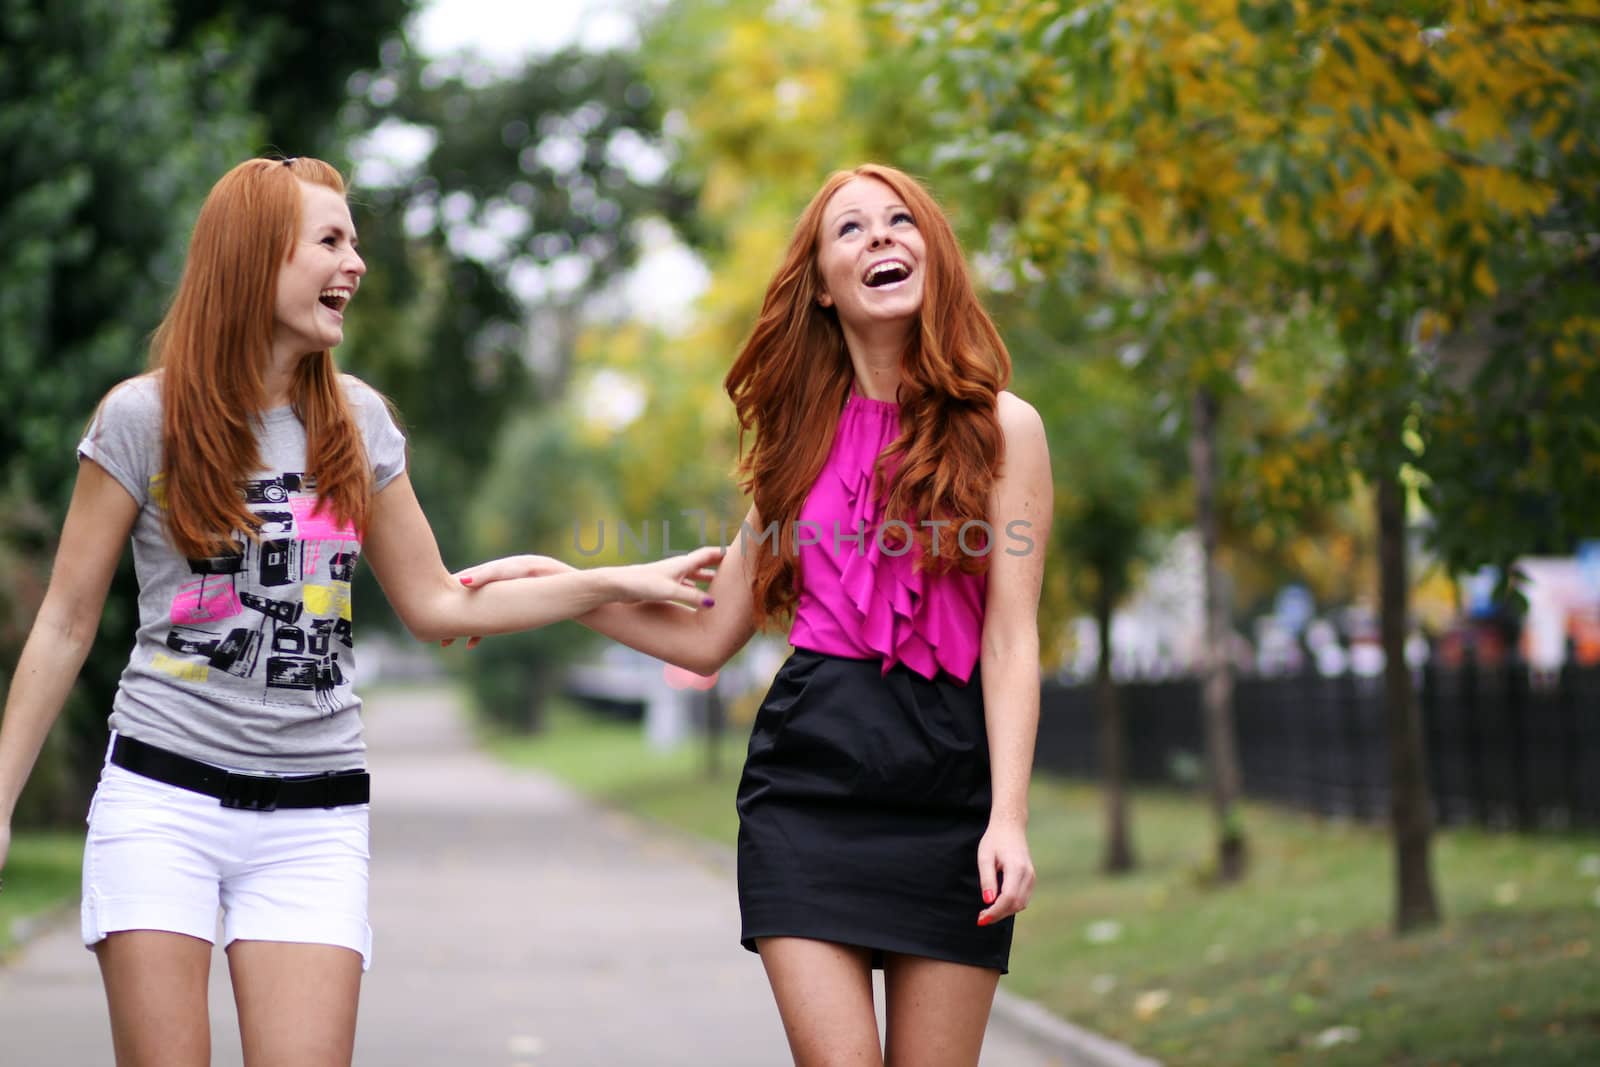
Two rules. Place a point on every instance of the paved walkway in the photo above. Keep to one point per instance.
(516, 926)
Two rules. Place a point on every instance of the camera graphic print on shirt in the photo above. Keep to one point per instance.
(277, 609)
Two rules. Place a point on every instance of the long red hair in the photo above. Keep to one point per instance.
(793, 375)
(212, 349)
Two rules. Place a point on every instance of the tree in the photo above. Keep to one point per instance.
(115, 118)
(292, 59)
(106, 158)
(501, 246)
(1384, 158)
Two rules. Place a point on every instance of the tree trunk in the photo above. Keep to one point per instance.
(1410, 810)
(1222, 757)
(1118, 855)
(715, 718)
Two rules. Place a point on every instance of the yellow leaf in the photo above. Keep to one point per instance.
(1483, 278)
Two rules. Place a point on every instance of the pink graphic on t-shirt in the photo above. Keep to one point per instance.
(311, 523)
(205, 600)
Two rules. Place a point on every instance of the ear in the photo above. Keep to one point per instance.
(824, 300)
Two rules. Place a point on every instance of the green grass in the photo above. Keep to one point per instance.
(1254, 974)
(41, 876)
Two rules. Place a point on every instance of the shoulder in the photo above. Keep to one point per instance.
(1019, 421)
(131, 403)
(141, 393)
(359, 392)
(366, 401)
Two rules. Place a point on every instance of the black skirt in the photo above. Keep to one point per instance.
(861, 806)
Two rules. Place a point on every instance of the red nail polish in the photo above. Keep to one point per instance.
(988, 896)
(983, 920)
(466, 581)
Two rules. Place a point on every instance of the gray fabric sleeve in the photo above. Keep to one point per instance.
(386, 445)
(125, 436)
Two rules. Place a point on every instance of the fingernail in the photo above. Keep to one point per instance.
(708, 602)
(466, 581)
(988, 896)
(983, 920)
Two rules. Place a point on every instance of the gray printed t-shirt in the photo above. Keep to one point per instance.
(244, 660)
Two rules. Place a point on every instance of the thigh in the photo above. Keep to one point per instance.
(304, 880)
(824, 995)
(153, 858)
(935, 1011)
(297, 1002)
(156, 990)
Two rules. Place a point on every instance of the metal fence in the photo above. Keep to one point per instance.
(1506, 749)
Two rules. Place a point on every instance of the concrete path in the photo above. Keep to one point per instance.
(516, 926)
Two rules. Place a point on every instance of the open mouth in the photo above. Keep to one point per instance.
(887, 272)
(334, 298)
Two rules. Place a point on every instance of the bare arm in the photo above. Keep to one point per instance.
(700, 641)
(98, 522)
(405, 557)
(1010, 650)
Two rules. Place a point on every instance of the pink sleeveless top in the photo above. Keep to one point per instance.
(860, 599)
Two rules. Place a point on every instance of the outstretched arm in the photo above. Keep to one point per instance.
(700, 641)
(433, 604)
(98, 522)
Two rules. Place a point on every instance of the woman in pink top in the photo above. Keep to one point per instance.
(902, 503)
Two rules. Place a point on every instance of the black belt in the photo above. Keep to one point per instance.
(251, 792)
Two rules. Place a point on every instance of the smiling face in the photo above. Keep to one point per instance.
(870, 256)
(319, 275)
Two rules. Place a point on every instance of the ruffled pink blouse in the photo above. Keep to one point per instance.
(860, 596)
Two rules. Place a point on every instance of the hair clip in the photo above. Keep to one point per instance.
(289, 161)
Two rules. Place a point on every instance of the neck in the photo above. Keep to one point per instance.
(875, 354)
(277, 378)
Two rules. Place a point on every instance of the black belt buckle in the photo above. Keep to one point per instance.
(251, 792)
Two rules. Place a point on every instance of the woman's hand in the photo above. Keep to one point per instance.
(499, 570)
(1005, 870)
(672, 578)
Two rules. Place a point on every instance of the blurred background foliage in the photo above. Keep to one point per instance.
(1357, 238)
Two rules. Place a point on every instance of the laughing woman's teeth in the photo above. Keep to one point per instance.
(886, 273)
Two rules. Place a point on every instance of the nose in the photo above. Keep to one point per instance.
(881, 236)
(354, 264)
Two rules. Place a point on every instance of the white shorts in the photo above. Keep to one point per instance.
(158, 857)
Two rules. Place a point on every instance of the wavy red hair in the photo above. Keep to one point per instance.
(793, 375)
(213, 347)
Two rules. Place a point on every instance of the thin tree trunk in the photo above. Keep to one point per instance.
(1118, 855)
(1222, 757)
(1410, 810)
(715, 719)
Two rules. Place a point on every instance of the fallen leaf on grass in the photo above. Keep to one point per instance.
(1335, 1035)
(1148, 1005)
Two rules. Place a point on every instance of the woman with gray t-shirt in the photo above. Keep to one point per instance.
(251, 477)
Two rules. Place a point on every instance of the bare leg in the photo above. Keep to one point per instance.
(156, 989)
(935, 1011)
(297, 1003)
(824, 994)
